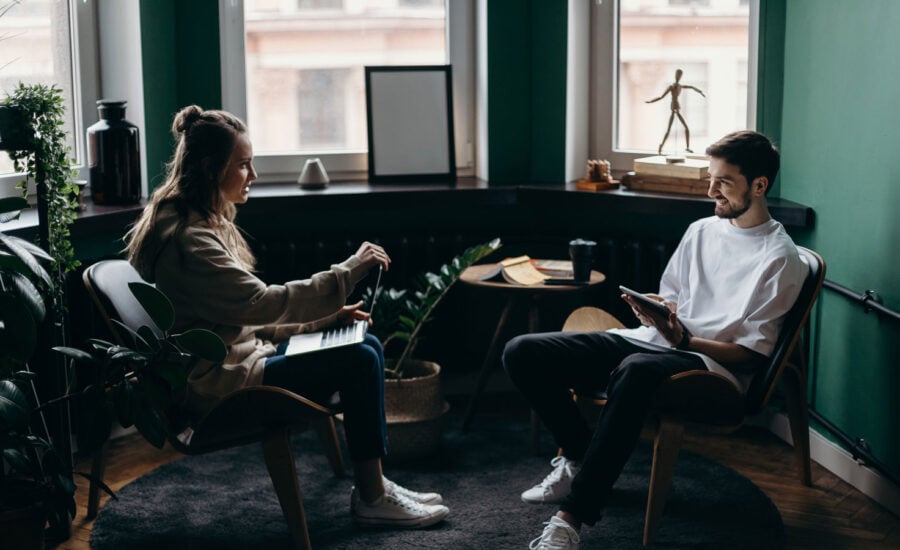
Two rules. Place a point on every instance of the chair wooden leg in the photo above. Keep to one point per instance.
(280, 463)
(324, 427)
(665, 453)
(98, 469)
(798, 415)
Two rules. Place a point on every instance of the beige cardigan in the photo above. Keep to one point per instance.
(209, 289)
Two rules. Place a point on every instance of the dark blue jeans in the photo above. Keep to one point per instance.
(356, 373)
(545, 366)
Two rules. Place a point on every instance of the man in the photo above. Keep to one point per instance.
(728, 286)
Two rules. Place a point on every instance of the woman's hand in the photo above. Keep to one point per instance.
(351, 313)
(371, 255)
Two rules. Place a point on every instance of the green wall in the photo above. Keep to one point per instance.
(526, 56)
(180, 56)
(840, 130)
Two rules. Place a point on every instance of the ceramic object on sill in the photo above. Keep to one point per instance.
(313, 175)
(114, 156)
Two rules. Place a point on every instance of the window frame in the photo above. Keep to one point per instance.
(604, 42)
(84, 55)
(353, 166)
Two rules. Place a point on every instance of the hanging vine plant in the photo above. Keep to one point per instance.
(46, 155)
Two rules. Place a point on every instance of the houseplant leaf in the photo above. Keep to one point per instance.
(31, 248)
(204, 344)
(18, 334)
(14, 407)
(75, 353)
(139, 342)
(150, 424)
(431, 288)
(29, 295)
(158, 307)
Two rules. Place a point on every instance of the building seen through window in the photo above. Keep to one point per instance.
(36, 48)
(304, 65)
(709, 41)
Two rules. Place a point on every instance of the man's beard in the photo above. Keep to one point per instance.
(734, 212)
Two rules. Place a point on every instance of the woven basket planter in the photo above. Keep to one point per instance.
(414, 406)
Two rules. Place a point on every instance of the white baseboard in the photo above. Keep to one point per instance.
(839, 462)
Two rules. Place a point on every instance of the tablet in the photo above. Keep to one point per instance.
(653, 305)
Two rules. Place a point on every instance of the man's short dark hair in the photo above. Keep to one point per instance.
(753, 153)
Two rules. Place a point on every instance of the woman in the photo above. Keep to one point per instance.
(186, 243)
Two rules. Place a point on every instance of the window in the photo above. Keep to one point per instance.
(637, 47)
(301, 88)
(41, 44)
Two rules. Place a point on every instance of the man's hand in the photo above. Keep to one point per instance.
(725, 353)
(669, 327)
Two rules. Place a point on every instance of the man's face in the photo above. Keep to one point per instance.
(729, 189)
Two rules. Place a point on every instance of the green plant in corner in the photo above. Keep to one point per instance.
(34, 476)
(140, 382)
(46, 159)
(130, 383)
(401, 315)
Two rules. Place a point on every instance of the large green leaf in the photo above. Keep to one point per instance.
(149, 336)
(139, 343)
(14, 407)
(158, 307)
(150, 424)
(18, 335)
(75, 353)
(26, 259)
(20, 463)
(204, 344)
(30, 296)
(124, 403)
(32, 248)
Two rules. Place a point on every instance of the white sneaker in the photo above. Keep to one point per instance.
(395, 510)
(557, 535)
(421, 498)
(556, 486)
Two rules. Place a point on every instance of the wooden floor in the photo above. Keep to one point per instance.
(831, 514)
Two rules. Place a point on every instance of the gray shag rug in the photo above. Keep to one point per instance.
(225, 500)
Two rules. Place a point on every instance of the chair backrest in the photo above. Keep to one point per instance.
(791, 334)
(107, 283)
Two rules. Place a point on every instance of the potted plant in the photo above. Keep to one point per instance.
(34, 482)
(130, 384)
(414, 403)
(36, 141)
(140, 382)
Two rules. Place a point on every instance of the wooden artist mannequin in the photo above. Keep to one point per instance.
(675, 90)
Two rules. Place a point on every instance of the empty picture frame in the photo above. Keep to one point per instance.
(409, 114)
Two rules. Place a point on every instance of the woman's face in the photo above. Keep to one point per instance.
(238, 173)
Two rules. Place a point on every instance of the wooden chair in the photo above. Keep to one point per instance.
(703, 399)
(261, 414)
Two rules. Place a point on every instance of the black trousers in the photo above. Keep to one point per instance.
(545, 366)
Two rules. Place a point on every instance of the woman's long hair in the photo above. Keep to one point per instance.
(205, 140)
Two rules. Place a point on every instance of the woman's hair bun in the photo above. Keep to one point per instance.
(185, 118)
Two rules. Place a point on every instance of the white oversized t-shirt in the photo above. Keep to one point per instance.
(732, 285)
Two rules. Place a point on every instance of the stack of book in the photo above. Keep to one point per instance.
(689, 176)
